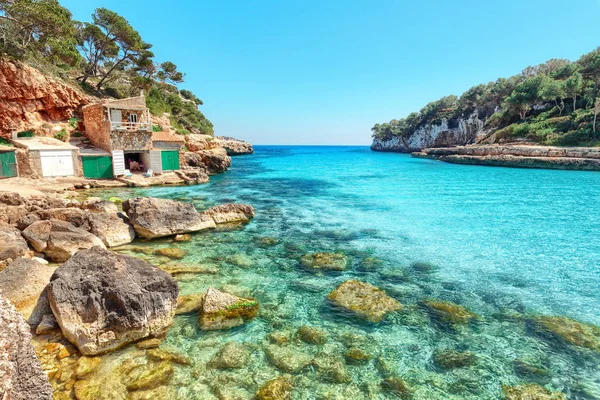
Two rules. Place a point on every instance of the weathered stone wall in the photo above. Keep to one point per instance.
(29, 163)
(77, 164)
(168, 145)
(97, 125)
(131, 140)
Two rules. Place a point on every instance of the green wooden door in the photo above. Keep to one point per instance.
(8, 165)
(97, 167)
(170, 160)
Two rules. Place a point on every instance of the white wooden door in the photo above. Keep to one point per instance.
(57, 163)
(118, 162)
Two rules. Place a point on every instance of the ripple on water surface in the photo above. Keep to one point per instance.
(475, 255)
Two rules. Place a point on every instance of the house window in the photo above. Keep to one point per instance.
(133, 118)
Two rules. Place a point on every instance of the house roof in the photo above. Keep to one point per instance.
(166, 137)
(42, 143)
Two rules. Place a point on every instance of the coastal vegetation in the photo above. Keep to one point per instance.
(554, 103)
(104, 57)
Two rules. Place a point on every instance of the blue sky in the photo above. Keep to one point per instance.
(323, 72)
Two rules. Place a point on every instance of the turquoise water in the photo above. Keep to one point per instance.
(507, 243)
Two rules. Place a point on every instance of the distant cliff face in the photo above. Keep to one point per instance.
(463, 131)
(28, 98)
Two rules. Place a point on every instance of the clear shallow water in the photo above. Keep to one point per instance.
(508, 243)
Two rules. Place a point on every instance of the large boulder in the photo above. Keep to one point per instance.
(364, 300)
(23, 282)
(231, 212)
(196, 142)
(112, 228)
(103, 300)
(216, 160)
(59, 240)
(21, 375)
(222, 310)
(152, 218)
(233, 146)
(12, 244)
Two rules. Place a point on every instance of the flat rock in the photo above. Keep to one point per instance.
(23, 282)
(222, 310)
(103, 300)
(364, 300)
(96, 205)
(232, 212)
(448, 312)
(59, 240)
(21, 375)
(152, 218)
(325, 261)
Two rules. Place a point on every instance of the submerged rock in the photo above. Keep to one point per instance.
(97, 205)
(397, 386)
(150, 376)
(189, 303)
(222, 310)
(229, 213)
(59, 240)
(365, 300)
(152, 218)
(325, 261)
(531, 392)
(356, 356)
(288, 358)
(569, 330)
(312, 335)
(21, 375)
(104, 300)
(331, 368)
(527, 368)
(171, 252)
(233, 355)
(448, 312)
(450, 359)
(165, 355)
(276, 389)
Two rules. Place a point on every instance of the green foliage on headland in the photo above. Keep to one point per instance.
(555, 103)
(106, 57)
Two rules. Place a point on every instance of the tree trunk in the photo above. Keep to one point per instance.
(575, 102)
(99, 85)
(594, 125)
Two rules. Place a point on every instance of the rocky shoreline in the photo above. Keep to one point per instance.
(81, 300)
(518, 156)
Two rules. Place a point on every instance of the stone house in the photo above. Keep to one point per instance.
(44, 157)
(123, 129)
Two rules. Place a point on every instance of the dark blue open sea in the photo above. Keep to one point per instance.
(507, 244)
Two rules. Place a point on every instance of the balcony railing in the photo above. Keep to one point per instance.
(130, 126)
